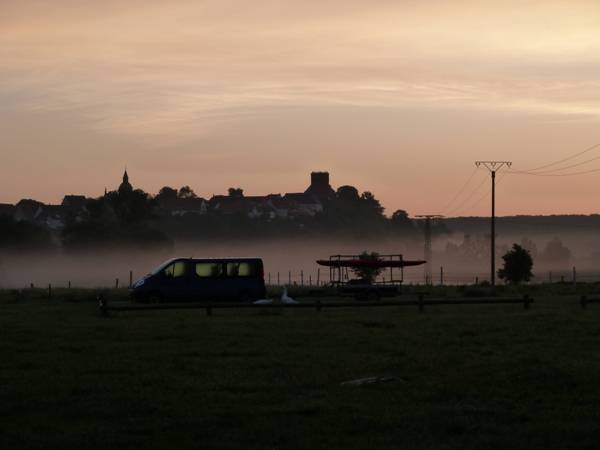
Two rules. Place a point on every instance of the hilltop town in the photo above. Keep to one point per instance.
(182, 202)
(128, 214)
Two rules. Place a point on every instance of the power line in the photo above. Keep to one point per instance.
(460, 191)
(488, 192)
(571, 166)
(585, 172)
(589, 149)
(466, 199)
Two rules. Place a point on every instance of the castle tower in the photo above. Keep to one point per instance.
(319, 186)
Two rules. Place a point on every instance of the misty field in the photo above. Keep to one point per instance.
(490, 376)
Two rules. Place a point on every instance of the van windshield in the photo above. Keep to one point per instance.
(161, 267)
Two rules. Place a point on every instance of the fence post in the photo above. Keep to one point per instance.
(574, 276)
(116, 283)
(583, 302)
(290, 278)
(318, 276)
(278, 279)
(69, 284)
(550, 276)
(49, 291)
(526, 301)
(421, 303)
(269, 278)
(310, 280)
(476, 280)
(103, 304)
(302, 278)
(441, 275)
(130, 278)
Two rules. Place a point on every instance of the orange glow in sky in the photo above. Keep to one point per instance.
(399, 98)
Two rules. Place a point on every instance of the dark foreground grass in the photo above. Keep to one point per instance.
(480, 377)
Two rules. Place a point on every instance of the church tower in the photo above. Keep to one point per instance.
(125, 187)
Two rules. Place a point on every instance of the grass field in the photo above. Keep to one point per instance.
(480, 377)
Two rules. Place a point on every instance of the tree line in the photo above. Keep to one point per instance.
(133, 218)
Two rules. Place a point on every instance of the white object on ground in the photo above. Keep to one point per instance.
(286, 299)
(263, 301)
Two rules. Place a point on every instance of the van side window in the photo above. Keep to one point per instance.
(209, 270)
(175, 270)
(241, 269)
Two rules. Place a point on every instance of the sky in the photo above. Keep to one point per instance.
(395, 97)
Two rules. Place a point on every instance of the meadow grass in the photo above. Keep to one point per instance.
(481, 377)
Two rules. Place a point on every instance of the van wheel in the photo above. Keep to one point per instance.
(154, 297)
(372, 296)
(245, 297)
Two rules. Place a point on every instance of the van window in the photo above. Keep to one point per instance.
(241, 269)
(175, 270)
(209, 270)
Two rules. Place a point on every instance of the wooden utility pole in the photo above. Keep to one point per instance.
(493, 167)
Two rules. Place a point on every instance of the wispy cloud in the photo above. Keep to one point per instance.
(152, 69)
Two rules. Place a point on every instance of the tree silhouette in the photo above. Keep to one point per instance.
(186, 192)
(371, 204)
(20, 235)
(348, 195)
(555, 252)
(401, 221)
(235, 192)
(517, 265)
(166, 193)
(368, 273)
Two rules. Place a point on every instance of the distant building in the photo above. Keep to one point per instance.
(320, 187)
(27, 209)
(125, 187)
(7, 210)
(74, 207)
(288, 206)
(51, 217)
(303, 204)
(74, 203)
(225, 204)
(273, 206)
(183, 206)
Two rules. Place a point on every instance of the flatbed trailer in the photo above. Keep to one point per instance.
(340, 265)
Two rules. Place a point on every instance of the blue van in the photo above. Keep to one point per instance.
(240, 279)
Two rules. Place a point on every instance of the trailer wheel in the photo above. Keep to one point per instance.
(372, 296)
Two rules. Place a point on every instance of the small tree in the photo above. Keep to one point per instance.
(166, 193)
(368, 273)
(235, 192)
(186, 192)
(517, 265)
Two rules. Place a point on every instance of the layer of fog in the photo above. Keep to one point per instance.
(288, 259)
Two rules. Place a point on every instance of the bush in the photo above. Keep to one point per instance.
(517, 265)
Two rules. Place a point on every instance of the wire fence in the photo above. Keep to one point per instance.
(320, 278)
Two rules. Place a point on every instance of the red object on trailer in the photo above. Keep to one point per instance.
(388, 284)
(368, 263)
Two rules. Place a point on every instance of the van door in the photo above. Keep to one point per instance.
(207, 280)
(175, 281)
(242, 280)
